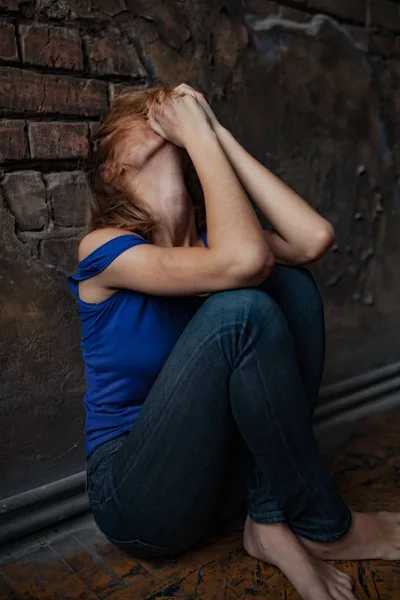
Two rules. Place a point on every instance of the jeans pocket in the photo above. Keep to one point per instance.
(98, 468)
(92, 486)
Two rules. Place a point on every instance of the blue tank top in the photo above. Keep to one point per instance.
(126, 339)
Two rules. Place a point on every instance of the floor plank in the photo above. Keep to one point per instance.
(96, 575)
(27, 582)
(179, 569)
(7, 592)
(124, 567)
(211, 580)
(59, 576)
(84, 565)
(242, 577)
(385, 578)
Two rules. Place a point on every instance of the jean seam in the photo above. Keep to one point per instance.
(273, 515)
(106, 452)
(101, 454)
(325, 538)
(298, 474)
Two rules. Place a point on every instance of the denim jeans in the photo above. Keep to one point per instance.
(228, 422)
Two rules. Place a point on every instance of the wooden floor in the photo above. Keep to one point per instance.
(80, 563)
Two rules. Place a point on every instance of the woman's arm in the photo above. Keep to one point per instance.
(237, 255)
(299, 235)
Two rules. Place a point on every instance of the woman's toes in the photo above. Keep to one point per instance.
(340, 585)
(340, 592)
(342, 578)
(346, 594)
(346, 580)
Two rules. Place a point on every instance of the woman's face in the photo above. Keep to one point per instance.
(139, 144)
(146, 156)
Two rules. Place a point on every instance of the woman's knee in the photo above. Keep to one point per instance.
(296, 288)
(246, 309)
(307, 289)
(241, 304)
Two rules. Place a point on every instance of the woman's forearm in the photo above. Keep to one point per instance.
(232, 224)
(301, 234)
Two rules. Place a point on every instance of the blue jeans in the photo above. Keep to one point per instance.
(228, 421)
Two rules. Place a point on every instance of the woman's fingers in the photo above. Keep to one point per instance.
(187, 89)
(155, 125)
(177, 116)
(201, 99)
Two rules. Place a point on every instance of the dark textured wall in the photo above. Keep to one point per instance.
(315, 97)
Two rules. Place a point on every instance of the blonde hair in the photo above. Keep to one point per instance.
(109, 206)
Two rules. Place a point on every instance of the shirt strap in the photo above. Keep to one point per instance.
(102, 257)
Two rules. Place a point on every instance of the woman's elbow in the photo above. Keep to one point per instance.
(322, 239)
(258, 266)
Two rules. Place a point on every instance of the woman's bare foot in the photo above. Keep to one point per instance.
(313, 579)
(371, 536)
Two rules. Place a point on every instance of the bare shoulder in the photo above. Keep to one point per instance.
(97, 238)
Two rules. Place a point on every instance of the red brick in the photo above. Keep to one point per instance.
(25, 193)
(108, 57)
(346, 10)
(13, 145)
(68, 193)
(293, 14)
(51, 46)
(384, 14)
(22, 91)
(93, 127)
(117, 88)
(8, 45)
(58, 140)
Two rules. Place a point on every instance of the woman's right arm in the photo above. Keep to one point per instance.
(237, 253)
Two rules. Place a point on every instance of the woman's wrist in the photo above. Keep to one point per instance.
(218, 128)
(203, 134)
(224, 136)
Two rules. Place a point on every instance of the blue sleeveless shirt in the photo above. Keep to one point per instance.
(126, 339)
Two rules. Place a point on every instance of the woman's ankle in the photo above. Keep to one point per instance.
(371, 536)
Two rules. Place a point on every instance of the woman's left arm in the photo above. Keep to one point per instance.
(299, 235)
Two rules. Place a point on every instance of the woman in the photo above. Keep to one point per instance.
(203, 357)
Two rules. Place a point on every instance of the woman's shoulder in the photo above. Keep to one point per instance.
(93, 240)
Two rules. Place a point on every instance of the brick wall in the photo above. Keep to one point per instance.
(55, 83)
(320, 107)
(57, 80)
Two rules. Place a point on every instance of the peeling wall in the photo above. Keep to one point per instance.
(314, 97)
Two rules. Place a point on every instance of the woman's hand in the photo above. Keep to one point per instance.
(178, 118)
(187, 89)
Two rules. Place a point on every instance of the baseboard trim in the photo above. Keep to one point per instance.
(42, 507)
(345, 401)
(378, 388)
